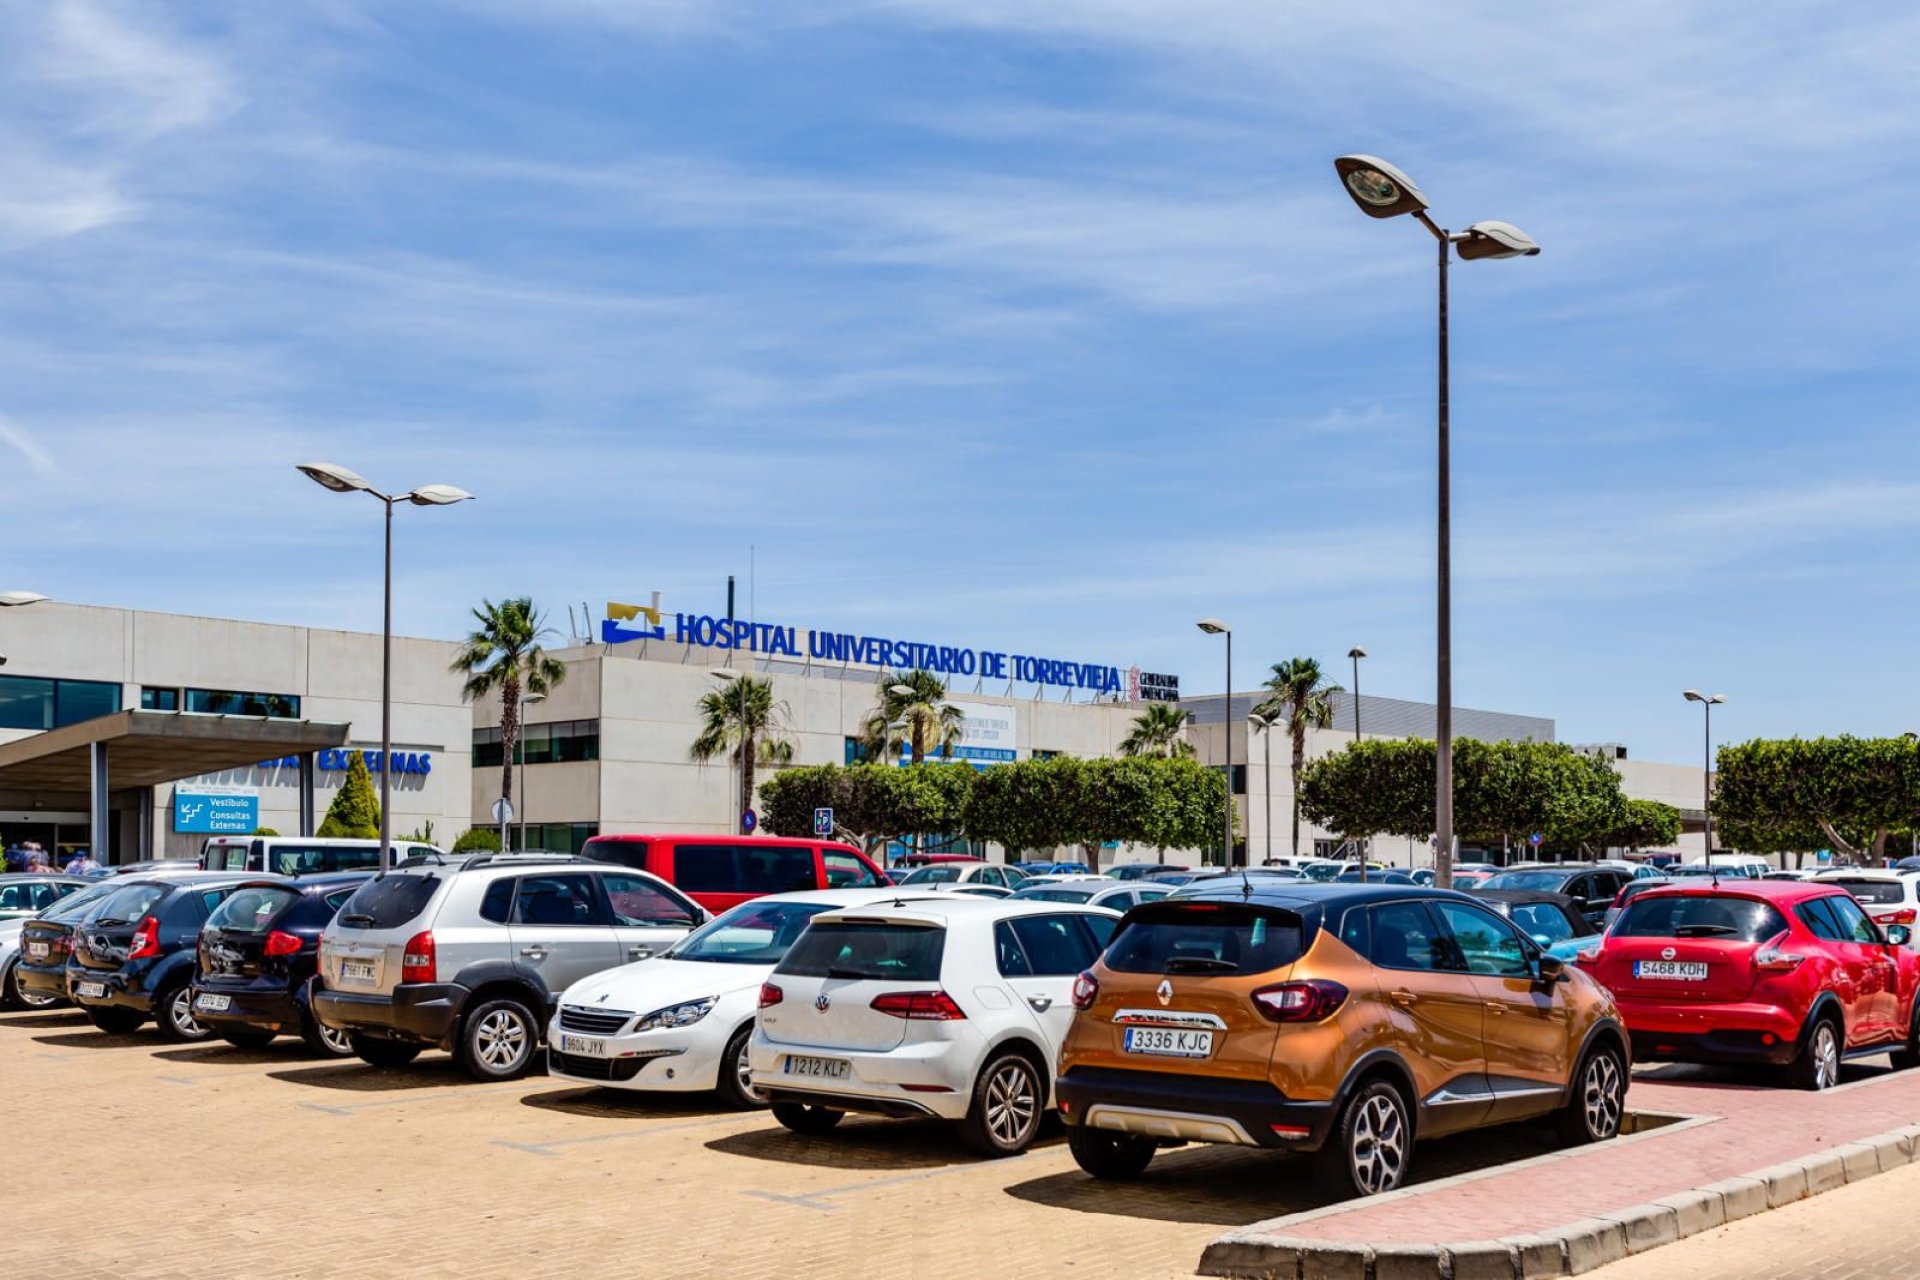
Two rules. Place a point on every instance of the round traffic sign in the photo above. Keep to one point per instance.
(748, 821)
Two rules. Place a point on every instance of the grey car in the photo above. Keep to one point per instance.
(471, 954)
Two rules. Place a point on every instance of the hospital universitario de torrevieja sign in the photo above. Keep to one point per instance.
(628, 622)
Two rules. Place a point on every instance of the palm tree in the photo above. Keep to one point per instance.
(503, 655)
(921, 717)
(1160, 730)
(1302, 699)
(742, 719)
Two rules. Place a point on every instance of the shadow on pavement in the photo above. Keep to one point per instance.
(862, 1144)
(141, 1039)
(34, 1019)
(437, 1072)
(620, 1104)
(1771, 1079)
(220, 1053)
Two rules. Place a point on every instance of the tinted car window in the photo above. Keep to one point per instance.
(1541, 881)
(938, 873)
(1011, 956)
(1542, 920)
(844, 871)
(556, 900)
(389, 901)
(130, 903)
(1853, 921)
(756, 933)
(1405, 936)
(1206, 937)
(1879, 892)
(888, 952)
(250, 910)
(1055, 945)
(729, 868)
(497, 905)
(625, 853)
(1730, 919)
(1818, 916)
(1482, 941)
(637, 901)
(305, 860)
(1100, 929)
(81, 903)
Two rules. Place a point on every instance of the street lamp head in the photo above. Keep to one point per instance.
(1260, 721)
(1495, 240)
(437, 495)
(1213, 626)
(903, 690)
(1717, 699)
(724, 673)
(1380, 190)
(338, 479)
(1694, 695)
(1356, 652)
(17, 599)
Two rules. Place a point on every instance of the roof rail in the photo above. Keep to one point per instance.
(520, 857)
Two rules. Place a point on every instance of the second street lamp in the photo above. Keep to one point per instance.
(1215, 627)
(1264, 726)
(1707, 703)
(1382, 191)
(337, 478)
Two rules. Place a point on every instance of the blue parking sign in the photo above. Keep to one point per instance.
(823, 822)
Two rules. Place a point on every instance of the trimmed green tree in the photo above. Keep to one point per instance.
(1785, 794)
(477, 840)
(1649, 825)
(355, 811)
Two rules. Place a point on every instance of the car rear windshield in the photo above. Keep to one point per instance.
(387, 902)
(858, 949)
(1530, 881)
(754, 933)
(81, 903)
(129, 904)
(1206, 937)
(1878, 892)
(1045, 894)
(251, 910)
(1697, 916)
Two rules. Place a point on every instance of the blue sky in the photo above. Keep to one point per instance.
(1039, 327)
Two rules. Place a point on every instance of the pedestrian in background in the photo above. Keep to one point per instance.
(16, 859)
(82, 864)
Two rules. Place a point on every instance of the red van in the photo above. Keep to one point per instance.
(719, 872)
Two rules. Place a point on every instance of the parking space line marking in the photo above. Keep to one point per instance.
(547, 1148)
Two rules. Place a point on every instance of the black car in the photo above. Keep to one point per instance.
(1547, 918)
(1593, 886)
(258, 955)
(35, 975)
(132, 958)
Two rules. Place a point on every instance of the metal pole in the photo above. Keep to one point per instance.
(1356, 742)
(1706, 781)
(520, 741)
(386, 702)
(1266, 739)
(1443, 673)
(1228, 860)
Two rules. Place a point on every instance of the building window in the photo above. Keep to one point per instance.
(1239, 778)
(35, 702)
(1039, 754)
(856, 751)
(552, 742)
(159, 699)
(230, 702)
(553, 837)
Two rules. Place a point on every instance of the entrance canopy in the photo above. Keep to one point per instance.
(138, 750)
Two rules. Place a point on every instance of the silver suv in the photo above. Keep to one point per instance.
(471, 954)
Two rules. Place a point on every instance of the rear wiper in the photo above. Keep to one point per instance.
(840, 971)
(109, 923)
(1200, 964)
(1701, 930)
(357, 918)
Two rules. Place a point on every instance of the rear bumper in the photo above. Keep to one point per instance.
(1664, 1031)
(420, 1012)
(1193, 1108)
(42, 979)
(929, 1078)
(119, 989)
(262, 1008)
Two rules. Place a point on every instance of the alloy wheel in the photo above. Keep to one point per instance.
(1379, 1148)
(743, 1072)
(336, 1041)
(1013, 1106)
(1826, 1057)
(180, 1014)
(500, 1039)
(33, 999)
(1601, 1096)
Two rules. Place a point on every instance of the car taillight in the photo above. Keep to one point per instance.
(1771, 959)
(1086, 989)
(285, 944)
(1308, 1001)
(770, 995)
(146, 939)
(417, 962)
(1903, 916)
(918, 1006)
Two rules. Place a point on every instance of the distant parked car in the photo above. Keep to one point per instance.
(1594, 887)
(952, 1009)
(258, 954)
(57, 916)
(1384, 875)
(1095, 891)
(132, 958)
(29, 893)
(719, 872)
(303, 855)
(1553, 920)
(1726, 866)
(1142, 870)
(1890, 897)
(991, 873)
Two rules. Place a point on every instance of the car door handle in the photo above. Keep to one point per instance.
(1494, 1006)
(640, 952)
(1404, 998)
(534, 953)
(1040, 1003)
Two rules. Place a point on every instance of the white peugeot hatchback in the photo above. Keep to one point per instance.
(679, 1022)
(952, 1008)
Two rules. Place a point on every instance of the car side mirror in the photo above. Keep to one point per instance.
(1898, 935)
(1550, 969)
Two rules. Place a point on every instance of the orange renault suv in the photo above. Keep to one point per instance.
(1345, 1020)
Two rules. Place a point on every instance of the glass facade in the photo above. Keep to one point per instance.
(159, 699)
(555, 742)
(36, 702)
(553, 837)
(231, 702)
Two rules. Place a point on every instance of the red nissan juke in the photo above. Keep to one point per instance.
(1790, 973)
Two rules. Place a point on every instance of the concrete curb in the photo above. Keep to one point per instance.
(1573, 1248)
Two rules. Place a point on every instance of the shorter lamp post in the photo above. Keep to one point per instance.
(1264, 726)
(526, 700)
(1707, 703)
(1215, 627)
(729, 676)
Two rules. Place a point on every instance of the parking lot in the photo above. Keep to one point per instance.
(209, 1160)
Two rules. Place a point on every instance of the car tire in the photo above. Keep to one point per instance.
(115, 1022)
(735, 1088)
(327, 1042)
(173, 1014)
(1114, 1157)
(1817, 1066)
(1371, 1145)
(805, 1118)
(1008, 1099)
(498, 1041)
(1907, 1056)
(378, 1052)
(12, 997)
(1598, 1100)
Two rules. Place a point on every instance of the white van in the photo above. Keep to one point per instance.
(301, 855)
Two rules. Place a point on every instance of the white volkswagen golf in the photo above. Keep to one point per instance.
(951, 1007)
(679, 1022)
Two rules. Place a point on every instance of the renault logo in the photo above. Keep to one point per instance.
(821, 1002)
(1165, 992)
(1666, 953)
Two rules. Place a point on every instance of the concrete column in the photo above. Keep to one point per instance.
(100, 818)
(145, 839)
(306, 794)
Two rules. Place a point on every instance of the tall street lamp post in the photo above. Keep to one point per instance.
(1264, 725)
(1383, 191)
(1707, 703)
(907, 727)
(341, 480)
(732, 678)
(526, 700)
(1215, 627)
(1356, 653)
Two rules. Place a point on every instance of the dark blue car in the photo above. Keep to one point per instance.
(133, 957)
(259, 952)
